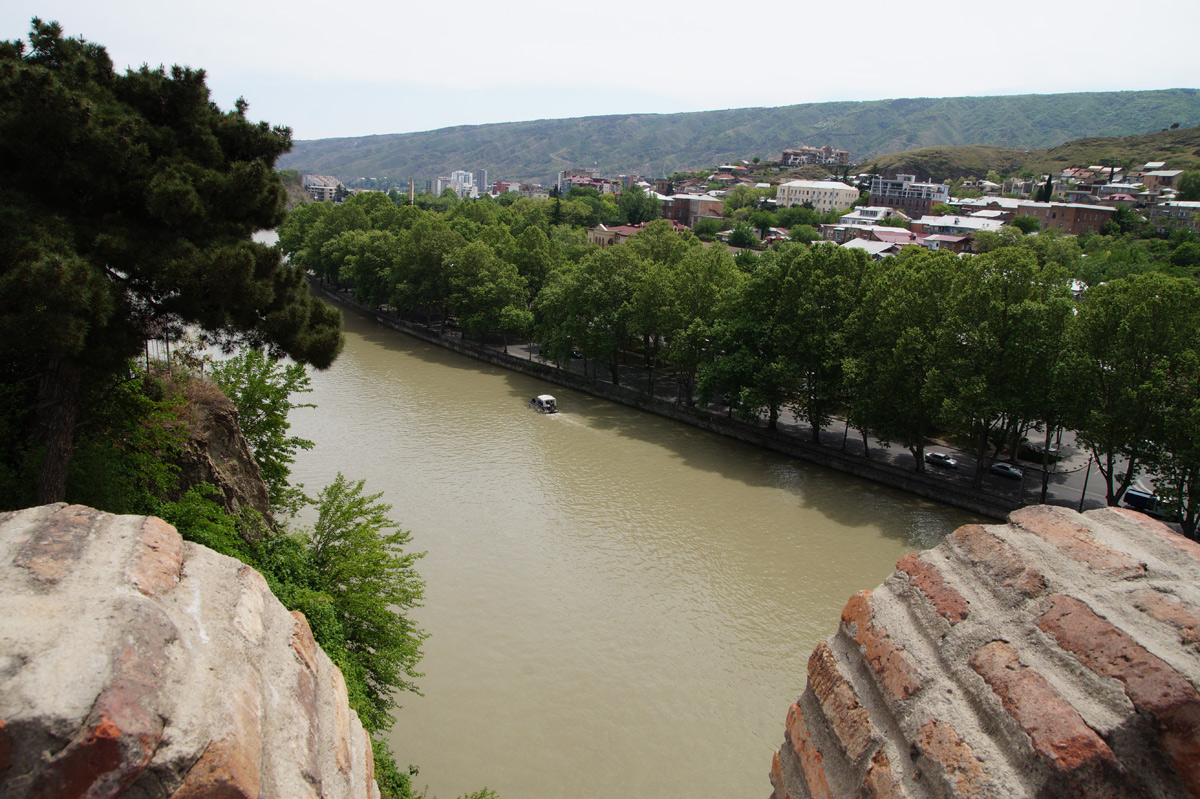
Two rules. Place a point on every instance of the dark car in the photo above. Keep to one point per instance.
(1006, 470)
(941, 459)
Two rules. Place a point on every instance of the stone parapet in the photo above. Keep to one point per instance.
(1055, 655)
(133, 663)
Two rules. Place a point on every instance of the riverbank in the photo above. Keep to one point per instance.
(838, 450)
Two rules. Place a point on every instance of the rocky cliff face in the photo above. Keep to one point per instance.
(135, 664)
(1056, 655)
(217, 453)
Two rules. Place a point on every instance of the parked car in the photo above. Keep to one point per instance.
(1006, 470)
(1141, 500)
(941, 459)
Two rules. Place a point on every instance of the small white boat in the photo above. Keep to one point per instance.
(543, 403)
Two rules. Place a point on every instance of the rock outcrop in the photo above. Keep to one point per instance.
(1055, 656)
(133, 663)
(217, 453)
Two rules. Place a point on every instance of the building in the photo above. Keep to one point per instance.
(321, 188)
(481, 181)
(1176, 214)
(870, 215)
(954, 225)
(605, 236)
(841, 234)
(904, 192)
(688, 209)
(823, 195)
(1070, 218)
(802, 155)
(1161, 179)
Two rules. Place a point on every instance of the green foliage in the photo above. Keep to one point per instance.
(707, 228)
(742, 235)
(636, 206)
(1188, 187)
(125, 456)
(261, 388)
(1026, 224)
(357, 559)
(127, 209)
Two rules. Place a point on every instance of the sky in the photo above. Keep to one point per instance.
(333, 68)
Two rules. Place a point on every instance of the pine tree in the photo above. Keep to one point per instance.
(127, 202)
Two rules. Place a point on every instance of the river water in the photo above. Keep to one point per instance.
(618, 605)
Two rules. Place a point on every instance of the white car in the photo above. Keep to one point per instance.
(941, 459)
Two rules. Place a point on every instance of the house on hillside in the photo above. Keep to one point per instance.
(1161, 179)
(802, 155)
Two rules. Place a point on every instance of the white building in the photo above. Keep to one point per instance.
(823, 195)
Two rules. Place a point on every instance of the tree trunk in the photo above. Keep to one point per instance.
(58, 408)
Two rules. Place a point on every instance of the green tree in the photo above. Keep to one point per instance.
(126, 208)
(637, 206)
(1125, 339)
(486, 291)
(742, 235)
(357, 559)
(261, 388)
(1189, 186)
(901, 349)
(1026, 224)
(1176, 465)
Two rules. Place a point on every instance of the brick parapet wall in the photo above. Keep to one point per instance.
(1056, 655)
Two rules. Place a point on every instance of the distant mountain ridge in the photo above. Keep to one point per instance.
(656, 144)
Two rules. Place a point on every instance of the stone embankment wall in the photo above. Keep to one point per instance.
(983, 503)
(1055, 656)
(133, 663)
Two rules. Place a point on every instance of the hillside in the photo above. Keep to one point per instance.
(657, 144)
(1180, 149)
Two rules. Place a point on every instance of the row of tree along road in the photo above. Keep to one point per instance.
(986, 348)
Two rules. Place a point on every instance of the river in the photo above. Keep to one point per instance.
(618, 605)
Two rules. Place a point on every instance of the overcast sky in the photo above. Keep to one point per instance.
(357, 67)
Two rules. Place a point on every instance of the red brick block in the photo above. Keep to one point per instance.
(1167, 609)
(996, 558)
(898, 676)
(5, 748)
(777, 777)
(125, 726)
(939, 742)
(157, 560)
(58, 543)
(812, 762)
(1150, 683)
(230, 768)
(880, 782)
(850, 721)
(1059, 734)
(303, 642)
(947, 601)
(1159, 530)
(1074, 540)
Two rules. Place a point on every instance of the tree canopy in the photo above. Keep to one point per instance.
(127, 204)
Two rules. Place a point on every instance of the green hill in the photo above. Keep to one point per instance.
(1180, 149)
(657, 144)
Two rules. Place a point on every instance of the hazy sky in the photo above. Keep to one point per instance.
(357, 67)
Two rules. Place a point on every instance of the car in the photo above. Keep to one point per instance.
(941, 459)
(1006, 470)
